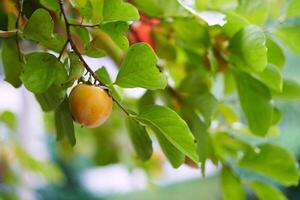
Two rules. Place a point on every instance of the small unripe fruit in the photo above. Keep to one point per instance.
(90, 105)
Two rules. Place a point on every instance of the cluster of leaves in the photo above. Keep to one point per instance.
(214, 71)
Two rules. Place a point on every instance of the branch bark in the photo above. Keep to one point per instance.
(20, 14)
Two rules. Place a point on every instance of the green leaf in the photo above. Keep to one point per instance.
(234, 23)
(228, 113)
(266, 191)
(147, 99)
(41, 71)
(248, 49)
(274, 162)
(173, 128)
(290, 91)
(271, 77)
(255, 99)
(117, 31)
(157, 8)
(40, 28)
(76, 70)
(140, 139)
(64, 123)
(117, 10)
(277, 116)
(81, 32)
(9, 119)
(231, 186)
(11, 64)
(85, 8)
(103, 75)
(139, 69)
(200, 132)
(289, 35)
(275, 53)
(228, 146)
(97, 11)
(256, 11)
(50, 4)
(52, 98)
(164, 46)
(229, 84)
(194, 40)
(293, 9)
(205, 103)
(175, 156)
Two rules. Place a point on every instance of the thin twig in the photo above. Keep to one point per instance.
(63, 49)
(85, 25)
(174, 93)
(20, 14)
(75, 49)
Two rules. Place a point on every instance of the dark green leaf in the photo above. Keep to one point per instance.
(255, 99)
(173, 128)
(248, 49)
(41, 71)
(139, 69)
(76, 70)
(274, 162)
(52, 98)
(231, 186)
(50, 4)
(175, 156)
(200, 132)
(64, 123)
(105, 78)
(40, 28)
(12, 66)
(266, 191)
(140, 139)
(146, 100)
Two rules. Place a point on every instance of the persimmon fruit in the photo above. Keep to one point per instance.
(90, 105)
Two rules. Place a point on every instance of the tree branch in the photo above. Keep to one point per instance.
(63, 49)
(20, 14)
(75, 49)
(85, 25)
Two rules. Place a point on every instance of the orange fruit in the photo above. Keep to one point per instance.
(90, 105)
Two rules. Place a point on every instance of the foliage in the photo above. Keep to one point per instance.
(216, 83)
